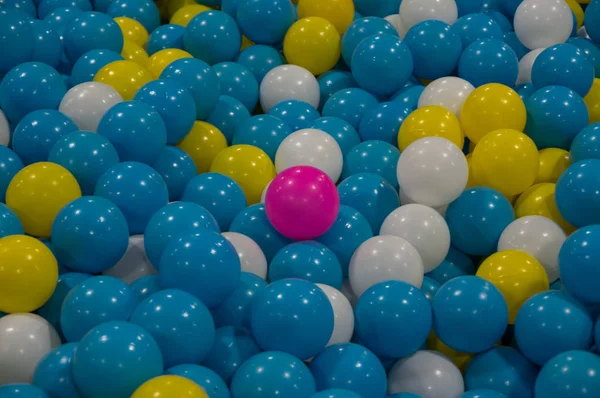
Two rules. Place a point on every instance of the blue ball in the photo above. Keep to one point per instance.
(228, 115)
(297, 115)
(469, 314)
(382, 122)
(9, 222)
(145, 287)
(95, 301)
(170, 222)
(232, 348)
(586, 144)
(572, 374)
(335, 393)
(230, 7)
(86, 67)
(349, 105)
(90, 235)
(483, 393)
(281, 309)
(200, 80)
(136, 130)
(10, 164)
(333, 81)
(377, 157)
(513, 42)
(430, 287)
(503, 22)
(210, 382)
(48, 46)
(501, 369)
(393, 319)
(144, 11)
(475, 27)
(351, 367)
(202, 263)
(371, 195)
(408, 96)
(578, 257)
(180, 324)
(563, 65)
(174, 103)
(577, 193)
(30, 87)
(454, 265)
(176, 168)
(436, 49)
(551, 323)
(18, 39)
(592, 20)
(53, 372)
(265, 21)
(19, 390)
(362, 28)
(266, 132)
(235, 310)
(468, 6)
(525, 91)
(165, 36)
(238, 82)
(90, 31)
(380, 8)
(121, 352)
(310, 261)
(509, 7)
(259, 59)
(590, 50)
(124, 185)
(489, 61)
(25, 6)
(343, 133)
(219, 194)
(48, 6)
(270, 374)
(61, 17)
(213, 37)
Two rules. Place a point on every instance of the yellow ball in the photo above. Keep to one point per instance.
(161, 59)
(133, 30)
(471, 181)
(246, 42)
(203, 143)
(517, 274)
(460, 359)
(126, 77)
(577, 11)
(539, 200)
(313, 43)
(492, 107)
(185, 14)
(592, 101)
(135, 53)
(249, 166)
(173, 6)
(38, 192)
(553, 162)
(28, 274)
(430, 121)
(339, 12)
(169, 387)
(506, 160)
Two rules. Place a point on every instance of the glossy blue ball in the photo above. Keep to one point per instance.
(430, 287)
(144, 11)
(25, 6)
(382, 122)
(349, 105)
(90, 31)
(454, 265)
(408, 96)
(578, 257)
(259, 59)
(10, 164)
(47, 6)
(86, 67)
(235, 310)
(238, 82)
(577, 194)
(53, 372)
(60, 18)
(483, 393)
(210, 382)
(335, 393)
(176, 168)
(513, 42)
(266, 132)
(165, 36)
(586, 144)
(228, 115)
(145, 287)
(590, 50)
(9, 222)
(19, 390)
(213, 37)
(333, 81)
(381, 8)
(509, 7)
(525, 91)
(592, 20)
(475, 27)
(297, 115)
(572, 374)
(468, 6)
(18, 39)
(500, 19)
(343, 133)
(377, 157)
(48, 47)
(265, 21)
(362, 28)
(489, 61)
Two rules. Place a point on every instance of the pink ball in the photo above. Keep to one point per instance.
(302, 202)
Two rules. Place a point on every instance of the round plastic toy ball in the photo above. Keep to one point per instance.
(123, 351)
(570, 374)
(45, 7)
(165, 36)
(265, 21)
(228, 115)
(414, 11)
(236, 309)
(592, 17)
(185, 14)
(126, 77)
(259, 59)
(576, 259)
(9, 222)
(426, 373)
(361, 29)
(592, 101)
(540, 200)
(454, 265)
(335, 393)
(133, 30)
(210, 381)
(145, 287)
(489, 61)
(4, 130)
(87, 103)
(134, 264)
(25, 339)
(482, 393)
(343, 326)
(170, 386)
(448, 92)
(297, 115)
(213, 37)
(376, 157)
(237, 82)
(526, 65)
(492, 107)
(589, 49)
(88, 65)
(53, 373)
(339, 12)
(251, 257)
(553, 163)
(91, 31)
(133, 52)
(576, 193)
(475, 26)
(345, 135)
(429, 288)
(144, 11)
(47, 47)
(381, 122)
(586, 144)
(430, 121)
(349, 105)
(350, 367)
(288, 82)
(203, 143)
(265, 131)
(158, 61)
(543, 23)
(17, 42)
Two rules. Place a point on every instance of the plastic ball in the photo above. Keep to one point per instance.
(45, 7)
(170, 385)
(430, 121)
(5, 132)
(126, 77)
(489, 61)
(576, 259)
(18, 39)
(91, 31)
(339, 12)
(297, 115)
(145, 287)
(87, 103)
(333, 81)
(592, 101)
(542, 23)
(570, 374)
(482, 393)
(361, 29)
(492, 107)
(204, 377)
(591, 19)
(53, 373)
(213, 37)
(88, 65)
(260, 60)
(265, 22)
(575, 192)
(448, 92)
(236, 309)
(185, 14)
(238, 82)
(263, 131)
(335, 393)
(133, 30)
(133, 52)
(585, 145)
(343, 325)
(251, 257)
(454, 265)
(590, 51)
(382, 122)
(429, 288)
(376, 157)
(134, 264)
(228, 115)
(202, 144)
(165, 36)
(477, 26)
(563, 65)
(48, 46)
(526, 65)
(345, 135)
(349, 105)
(159, 61)
(9, 222)
(143, 11)
(60, 17)
(288, 82)
(26, 339)
(540, 200)
(553, 162)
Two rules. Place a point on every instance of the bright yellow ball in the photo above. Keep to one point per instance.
(172, 6)
(539, 200)
(312, 43)
(28, 274)
(126, 77)
(430, 121)
(471, 181)
(161, 59)
(203, 143)
(133, 30)
(553, 162)
(339, 12)
(506, 160)
(132, 52)
(577, 10)
(249, 166)
(169, 387)
(492, 107)
(460, 359)
(38, 192)
(592, 101)
(185, 14)
(517, 275)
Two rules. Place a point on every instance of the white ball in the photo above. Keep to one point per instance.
(538, 236)
(264, 192)
(310, 147)
(343, 321)
(449, 92)
(24, 340)
(134, 264)
(414, 11)
(405, 200)
(384, 258)
(396, 21)
(428, 374)
(86, 103)
(582, 32)
(251, 256)
(543, 23)
(289, 82)
(4, 130)
(526, 64)
(433, 171)
(424, 228)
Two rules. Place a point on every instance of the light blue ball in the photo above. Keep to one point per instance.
(577, 259)
(362, 28)
(25, 6)
(266, 132)
(513, 42)
(336, 393)
(48, 46)
(297, 115)
(259, 59)
(572, 374)
(20, 390)
(454, 265)
(409, 96)
(213, 37)
(333, 81)
(509, 7)
(468, 6)
(377, 157)
(61, 17)
(90, 31)
(590, 50)
(176, 168)
(228, 115)
(577, 195)
(238, 82)
(165, 36)
(349, 105)
(9, 222)
(482, 393)
(503, 22)
(586, 144)
(145, 287)
(235, 310)
(430, 287)
(265, 21)
(18, 39)
(48, 6)
(53, 372)
(592, 20)
(230, 7)
(144, 11)
(475, 27)
(343, 133)
(10, 165)
(86, 67)
(210, 382)
(101, 5)
(489, 61)
(381, 8)
(382, 122)
(525, 91)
